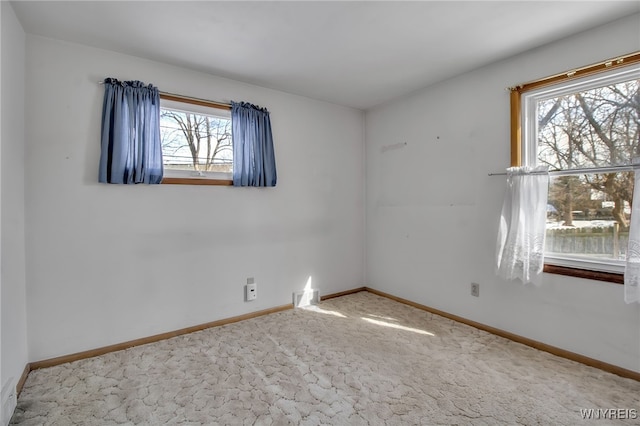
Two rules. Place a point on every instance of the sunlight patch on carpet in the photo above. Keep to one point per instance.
(315, 308)
(397, 326)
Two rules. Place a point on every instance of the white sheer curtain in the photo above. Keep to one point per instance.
(632, 267)
(520, 248)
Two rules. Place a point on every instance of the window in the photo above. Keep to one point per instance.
(196, 141)
(585, 126)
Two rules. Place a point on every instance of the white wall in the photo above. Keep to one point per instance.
(13, 340)
(109, 263)
(432, 210)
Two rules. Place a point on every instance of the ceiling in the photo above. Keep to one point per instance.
(358, 54)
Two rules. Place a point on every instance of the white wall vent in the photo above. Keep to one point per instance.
(306, 298)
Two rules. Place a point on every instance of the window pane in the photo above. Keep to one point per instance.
(588, 215)
(195, 142)
(592, 128)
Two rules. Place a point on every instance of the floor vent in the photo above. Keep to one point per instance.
(306, 298)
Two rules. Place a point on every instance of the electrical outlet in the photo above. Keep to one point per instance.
(251, 292)
(475, 289)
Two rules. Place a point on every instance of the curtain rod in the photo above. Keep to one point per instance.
(528, 173)
(622, 168)
(205, 102)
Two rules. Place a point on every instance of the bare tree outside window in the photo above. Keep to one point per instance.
(196, 142)
(599, 127)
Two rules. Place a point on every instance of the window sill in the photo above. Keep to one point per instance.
(196, 181)
(583, 273)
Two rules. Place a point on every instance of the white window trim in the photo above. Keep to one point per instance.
(577, 262)
(529, 102)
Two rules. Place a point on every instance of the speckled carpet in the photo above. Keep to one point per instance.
(359, 359)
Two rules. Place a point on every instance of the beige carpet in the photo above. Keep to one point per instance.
(355, 360)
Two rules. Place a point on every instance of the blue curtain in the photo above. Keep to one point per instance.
(131, 147)
(254, 162)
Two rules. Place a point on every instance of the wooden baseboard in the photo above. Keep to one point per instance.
(145, 340)
(511, 336)
(23, 378)
(343, 293)
(623, 372)
(152, 339)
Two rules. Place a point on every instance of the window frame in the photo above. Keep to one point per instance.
(217, 179)
(518, 95)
